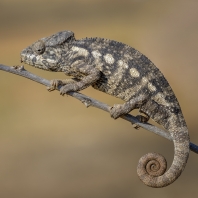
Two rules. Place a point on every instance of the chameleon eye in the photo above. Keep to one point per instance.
(39, 47)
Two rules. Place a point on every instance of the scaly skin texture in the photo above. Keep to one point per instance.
(121, 71)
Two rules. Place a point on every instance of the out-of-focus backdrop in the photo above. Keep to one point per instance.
(52, 146)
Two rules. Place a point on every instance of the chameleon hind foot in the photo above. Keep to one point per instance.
(120, 109)
(141, 118)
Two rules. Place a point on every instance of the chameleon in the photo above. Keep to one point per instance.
(123, 72)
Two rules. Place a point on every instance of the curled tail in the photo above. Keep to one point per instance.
(152, 166)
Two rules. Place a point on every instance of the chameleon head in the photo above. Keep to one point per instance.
(47, 52)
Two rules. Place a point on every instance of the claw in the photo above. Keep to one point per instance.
(62, 93)
(54, 85)
(115, 111)
(63, 90)
(67, 88)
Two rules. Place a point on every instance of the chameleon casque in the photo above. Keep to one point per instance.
(121, 71)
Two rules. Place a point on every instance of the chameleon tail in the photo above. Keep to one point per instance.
(152, 166)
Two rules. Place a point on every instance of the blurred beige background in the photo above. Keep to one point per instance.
(52, 146)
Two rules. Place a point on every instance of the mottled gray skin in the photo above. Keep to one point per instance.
(121, 71)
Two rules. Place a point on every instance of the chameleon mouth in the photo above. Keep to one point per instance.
(23, 55)
(27, 56)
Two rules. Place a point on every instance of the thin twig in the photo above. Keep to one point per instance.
(92, 102)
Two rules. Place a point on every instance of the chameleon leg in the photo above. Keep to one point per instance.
(119, 109)
(57, 82)
(91, 75)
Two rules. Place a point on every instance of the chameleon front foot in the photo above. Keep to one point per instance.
(54, 84)
(67, 88)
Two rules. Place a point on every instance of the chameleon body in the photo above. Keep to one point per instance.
(121, 71)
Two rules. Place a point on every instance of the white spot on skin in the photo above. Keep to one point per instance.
(109, 59)
(151, 87)
(115, 79)
(122, 64)
(51, 61)
(159, 98)
(75, 49)
(96, 54)
(144, 80)
(134, 73)
(81, 51)
(32, 56)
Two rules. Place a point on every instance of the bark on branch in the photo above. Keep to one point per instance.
(87, 101)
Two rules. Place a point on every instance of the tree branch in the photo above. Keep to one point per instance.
(87, 101)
